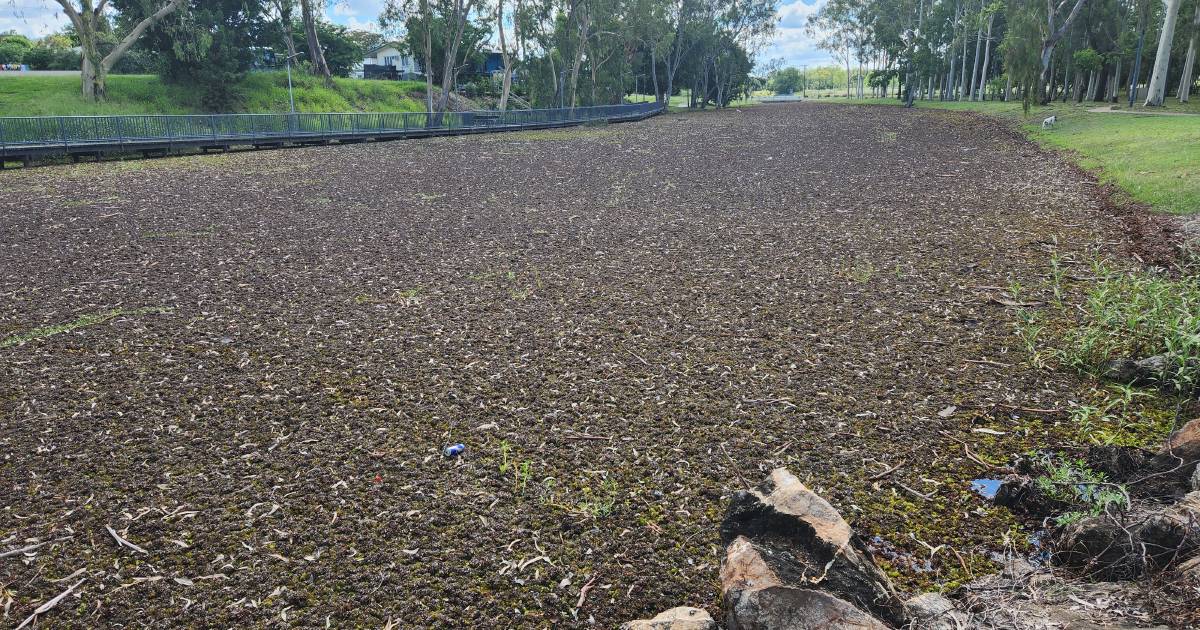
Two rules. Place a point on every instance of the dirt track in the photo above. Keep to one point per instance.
(620, 323)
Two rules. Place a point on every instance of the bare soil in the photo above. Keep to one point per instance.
(623, 324)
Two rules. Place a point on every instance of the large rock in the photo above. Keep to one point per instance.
(782, 533)
(681, 618)
(793, 608)
(1191, 237)
(932, 611)
(1171, 470)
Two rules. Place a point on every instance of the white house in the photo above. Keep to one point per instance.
(390, 58)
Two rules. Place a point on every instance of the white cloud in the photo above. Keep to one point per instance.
(791, 43)
(33, 18)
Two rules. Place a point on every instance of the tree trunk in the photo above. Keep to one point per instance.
(654, 73)
(962, 75)
(1008, 89)
(1115, 88)
(1048, 44)
(584, 32)
(1157, 90)
(285, 22)
(507, 81)
(987, 54)
(450, 62)
(94, 68)
(315, 55)
(428, 19)
(975, 64)
(1187, 78)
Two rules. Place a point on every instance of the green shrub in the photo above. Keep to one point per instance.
(1137, 315)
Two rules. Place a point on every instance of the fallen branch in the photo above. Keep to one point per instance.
(44, 608)
(124, 543)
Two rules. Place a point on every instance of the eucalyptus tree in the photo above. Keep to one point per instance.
(90, 21)
(1186, 78)
(1157, 88)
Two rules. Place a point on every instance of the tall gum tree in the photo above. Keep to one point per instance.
(1186, 77)
(1054, 33)
(1156, 90)
(89, 19)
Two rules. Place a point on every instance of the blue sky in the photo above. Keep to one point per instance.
(791, 43)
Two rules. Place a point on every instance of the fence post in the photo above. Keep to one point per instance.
(62, 133)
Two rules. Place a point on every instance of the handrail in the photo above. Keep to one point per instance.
(26, 133)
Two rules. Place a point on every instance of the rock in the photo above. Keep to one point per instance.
(681, 618)
(1147, 539)
(1172, 534)
(1120, 370)
(1147, 371)
(1152, 369)
(1022, 495)
(1170, 472)
(932, 611)
(783, 533)
(1191, 236)
(793, 608)
(1118, 463)
(1186, 441)
(1195, 484)
(1099, 548)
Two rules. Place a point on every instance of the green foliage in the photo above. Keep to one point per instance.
(1139, 315)
(14, 48)
(208, 46)
(1071, 481)
(1088, 59)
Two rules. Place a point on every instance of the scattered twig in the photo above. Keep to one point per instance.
(588, 437)
(886, 472)
(122, 542)
(987, 362)
(927, 497)
(583, 591)
(44, 608)
(27, 548)
(733, 464)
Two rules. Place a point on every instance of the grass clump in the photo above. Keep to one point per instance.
(1139, 315)
(257, 93)
(83, 321)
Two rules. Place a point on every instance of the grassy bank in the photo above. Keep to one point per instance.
(1155, 159)
(261, 92)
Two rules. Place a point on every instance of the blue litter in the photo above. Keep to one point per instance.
(986, 488)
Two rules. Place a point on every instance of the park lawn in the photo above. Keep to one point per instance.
(261, 92)
(1153, 159)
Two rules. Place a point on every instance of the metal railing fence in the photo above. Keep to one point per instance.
(81, 132)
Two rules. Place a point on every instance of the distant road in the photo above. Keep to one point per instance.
(39, 73)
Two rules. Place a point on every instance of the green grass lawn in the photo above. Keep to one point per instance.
(261, 92)
(1155, 159)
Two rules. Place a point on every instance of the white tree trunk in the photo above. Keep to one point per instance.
(507, 82)
(1185, 81)
(1157, 89)
(975, 65)
(987, 54)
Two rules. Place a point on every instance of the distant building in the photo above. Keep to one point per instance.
(389, 61)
